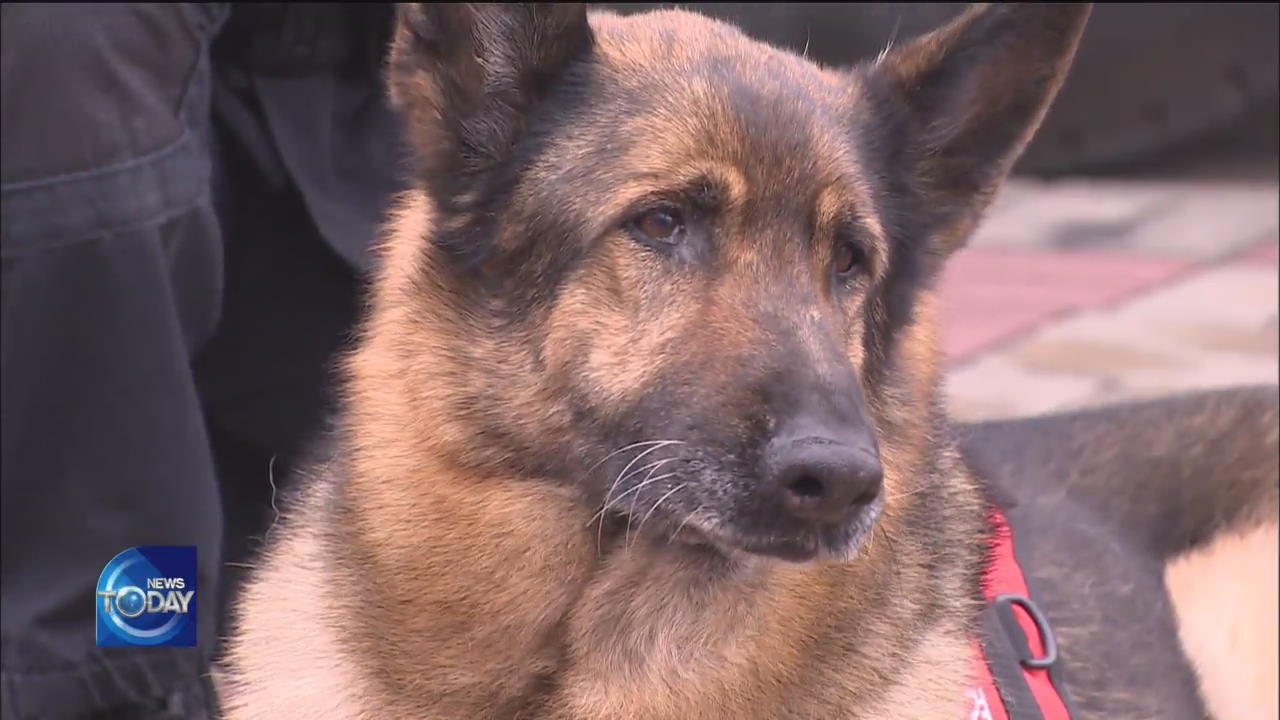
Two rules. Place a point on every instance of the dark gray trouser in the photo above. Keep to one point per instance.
(175, 285)
(112, 282)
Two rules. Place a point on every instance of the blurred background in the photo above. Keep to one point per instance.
(1134, 254)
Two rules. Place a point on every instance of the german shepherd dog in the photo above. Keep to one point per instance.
(645, 418)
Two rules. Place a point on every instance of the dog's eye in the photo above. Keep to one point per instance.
(661, 224)
(848, 257)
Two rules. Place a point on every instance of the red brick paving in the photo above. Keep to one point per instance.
(992, 295)
(1267, 253)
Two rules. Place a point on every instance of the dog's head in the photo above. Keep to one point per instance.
(686, 272)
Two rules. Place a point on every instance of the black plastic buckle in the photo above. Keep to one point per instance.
(1004, 605)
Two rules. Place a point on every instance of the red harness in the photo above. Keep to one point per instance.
(1017, 675)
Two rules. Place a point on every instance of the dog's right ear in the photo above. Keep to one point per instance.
(465, 75)
(964, 100)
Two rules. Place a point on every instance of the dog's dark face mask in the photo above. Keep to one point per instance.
(708, 261)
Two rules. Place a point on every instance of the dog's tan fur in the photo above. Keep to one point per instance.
(474, 626)
(426, 574)
(1227, 597)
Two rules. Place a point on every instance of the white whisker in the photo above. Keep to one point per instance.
(647, 481)
(271, 480)
(631, 511)
(614, 486)
(654, 464)
(634, 460)
(893, 38)
(685, 521)
(668, 494)
(618, 499)
(629, 447)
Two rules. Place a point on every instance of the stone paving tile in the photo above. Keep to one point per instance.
(996, 387)
(1179, 218)
(1078, 292)
(971, 330)
(1213, 329)
(1027, 212)
(1208, 221)
(991, 295)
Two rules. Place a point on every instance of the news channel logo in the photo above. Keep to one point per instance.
(147, 597)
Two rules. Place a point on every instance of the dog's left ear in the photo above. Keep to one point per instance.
(964, 100)
(467, 75)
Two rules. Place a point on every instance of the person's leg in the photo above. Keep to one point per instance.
(308, 161)
(112, 280)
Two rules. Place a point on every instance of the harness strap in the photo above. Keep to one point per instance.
(1017, 673)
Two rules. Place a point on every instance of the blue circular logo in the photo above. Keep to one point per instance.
(146, 596)
(130, 601)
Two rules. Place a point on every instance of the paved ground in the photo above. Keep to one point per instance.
(1085, 291)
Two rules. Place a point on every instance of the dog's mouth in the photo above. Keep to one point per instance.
(833, 543)
(724, 525)
(800, 549)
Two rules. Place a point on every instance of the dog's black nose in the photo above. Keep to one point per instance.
(824, 476)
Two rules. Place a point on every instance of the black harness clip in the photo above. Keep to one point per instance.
(1004, 605)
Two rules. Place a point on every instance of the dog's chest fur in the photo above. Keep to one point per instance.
(636, 636)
